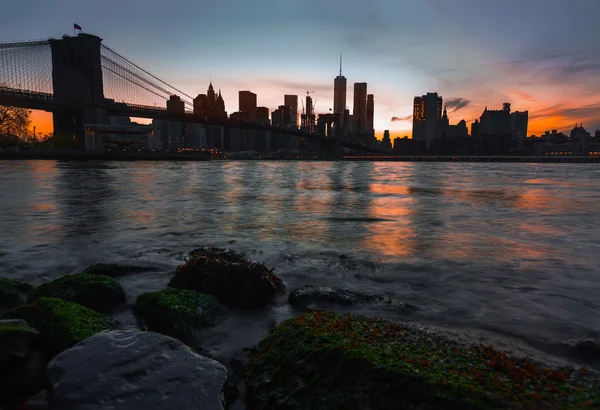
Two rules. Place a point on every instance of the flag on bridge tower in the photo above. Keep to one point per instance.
(76, 26)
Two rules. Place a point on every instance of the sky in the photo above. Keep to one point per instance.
(539, 55)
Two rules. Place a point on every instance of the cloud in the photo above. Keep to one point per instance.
(398, 119)
(587, 111)
(456, 104)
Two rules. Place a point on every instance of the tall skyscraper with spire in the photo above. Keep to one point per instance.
(339, 93)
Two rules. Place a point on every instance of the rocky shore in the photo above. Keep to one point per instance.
(61, 348)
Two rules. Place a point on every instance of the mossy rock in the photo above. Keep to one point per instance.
(16, 338)
(97, 292)
(228, 276)
(61, 323)
(178, 313)
(12, 292)
(327, 361)
(114, 270)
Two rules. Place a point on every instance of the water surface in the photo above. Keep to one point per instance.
(511, 249)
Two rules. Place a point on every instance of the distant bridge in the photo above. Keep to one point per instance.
(82, 81)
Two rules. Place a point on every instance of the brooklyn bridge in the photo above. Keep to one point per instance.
(82, 81)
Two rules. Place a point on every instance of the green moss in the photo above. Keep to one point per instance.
(114, 270)
(97, 292)
(177, 313)
(331, 361)
(61, 324)
(12, 292)
(15, 339)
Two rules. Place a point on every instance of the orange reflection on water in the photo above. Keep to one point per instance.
(393, 236)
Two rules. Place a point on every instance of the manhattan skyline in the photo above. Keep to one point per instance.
(540, 55)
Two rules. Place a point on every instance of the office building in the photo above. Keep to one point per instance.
(519, 121)
(262, 115)
(291, 101)
(427, 114)
(210, 105)
(386, 142)
(359, 110)
(281, 117)
(175, 105)
(370, 114)
(339, 93)
(247, 104)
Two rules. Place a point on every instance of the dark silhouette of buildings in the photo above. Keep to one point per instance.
(247, 104)
(500, 132)
(308, 118)
(427, 114)
(339, 93)
(281, 117)
(370, 128)
(291, 101)
(262, 115)
(210, 105)
(386, 143)
(175, 105)
(358, 121)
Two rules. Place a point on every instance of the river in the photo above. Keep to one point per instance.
(509, 252)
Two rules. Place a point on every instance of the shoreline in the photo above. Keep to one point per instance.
(79, 156)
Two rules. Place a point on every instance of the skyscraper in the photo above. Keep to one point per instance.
(359, 110)
(292, 102)
(247, 104)
(370, 113)
(427, 113)
(339, 93)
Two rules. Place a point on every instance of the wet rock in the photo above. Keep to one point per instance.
(178, 313)
(114, 270)
(21, 366)
(22, 377)
(582, 349)
(134, 370)
(98, 292)
(13, 293)
(228, 276)
(61, 324)
(327, 361)
(16, 339)
(311, 297)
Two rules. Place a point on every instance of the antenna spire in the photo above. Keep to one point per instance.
(340, 64)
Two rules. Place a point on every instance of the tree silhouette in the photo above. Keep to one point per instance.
(14, 120)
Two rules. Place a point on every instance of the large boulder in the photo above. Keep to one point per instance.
(228, 276)
(16, 339)
(178, 313)
(114, 270)
(21, 365)
(134, 370)
(325, 360)
(61, 324)
(98, 292)
(310, 296)
(13, 293)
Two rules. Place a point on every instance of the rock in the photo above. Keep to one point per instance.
(114, 270)
(178, 313)
(228, 276)
(327, 361)
(306, 297)
(13, 293)
(16, 339)
(61, 324)
(21, 377)
(98, 292)
(21, 366)
(134, 370)
(582, 349)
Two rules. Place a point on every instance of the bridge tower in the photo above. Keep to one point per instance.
(77, 80)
